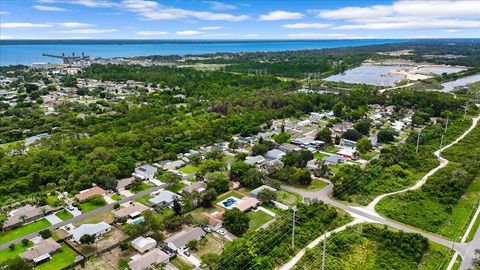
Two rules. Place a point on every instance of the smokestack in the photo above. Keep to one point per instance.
(63, 54)
(83, 55)
(73, 54)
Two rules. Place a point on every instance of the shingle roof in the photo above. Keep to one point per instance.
(147, 259)
(182, 238)
(90, 229)
(136, 207)
(164, 196)
(85, 194)
(44, 247)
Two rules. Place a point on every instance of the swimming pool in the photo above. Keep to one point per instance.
(229, 202)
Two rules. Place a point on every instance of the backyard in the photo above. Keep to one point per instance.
(257, 219)
(89, 206)
(63, 258)
(188, 169)
(212, 245)
(24, 230)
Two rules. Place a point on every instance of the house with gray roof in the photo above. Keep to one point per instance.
(288, 147)
(198, 186)
(145, 172)
(164, 197)
(254, 193)
(147, 260)
(180, 240)
(96, 230)
(334, 159)
(41, 251)
(274, 154)
(25, 214)
(256, 160)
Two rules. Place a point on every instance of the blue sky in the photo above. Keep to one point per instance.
(260, 19)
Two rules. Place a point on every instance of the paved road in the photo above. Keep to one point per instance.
(85, 215)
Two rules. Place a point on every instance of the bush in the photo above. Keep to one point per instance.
(45, 234)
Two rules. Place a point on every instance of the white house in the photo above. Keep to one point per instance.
(143, 244)
(274, 154)
(145, 172)
(180, 240)
(173, 165)
(96, 230)
(164, 197)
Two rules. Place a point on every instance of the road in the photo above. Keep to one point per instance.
(84, 215)
(369, 214)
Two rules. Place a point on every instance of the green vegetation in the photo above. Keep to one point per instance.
(7, 254)
(188, 169)
(116, 197)
(64, 215)
(139, 187)
(144, 199)
(59, 260)
(93, 204)
(257, 219)
(23, 230)
(176, 187)
(53, 201)
(370, 247)
(181, 264)
(447, 198)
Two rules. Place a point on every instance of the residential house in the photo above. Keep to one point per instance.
(145, 172)
(41, 251)
(173, 165)
(288, 147)
(96, 230)
(274, 154)
(132, 210)
(199, 186)
(265, 135)
(164, 197)
(25, 214)
(334, 159)
(87, 193)
(312, 164)
(143, 244)
(180, 240)
(149, 259)
(256, 160)
(307, 142)
(348, 143)
(246, 204)
(215, 219)
(255, 192)
(347, 152)
(122, 184)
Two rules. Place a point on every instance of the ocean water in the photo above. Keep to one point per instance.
(27, 52)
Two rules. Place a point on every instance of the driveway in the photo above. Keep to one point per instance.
(75, 212)
(53, 219)
(192, 259)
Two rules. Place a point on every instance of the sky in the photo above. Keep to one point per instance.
(228, 19)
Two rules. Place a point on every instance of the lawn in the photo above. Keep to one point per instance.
(288, 198)
(59, 260)
(140, 187)
(24, 230)
(471, 235)
(64, 215)
(319, 155)
(106, 216)
(181, 264)
(144, 200)
(116, 197)
(257, 219)
(176, 187)
(188, 169)
(89, 206)
(7, 254)
(314, 186)
(212, 245)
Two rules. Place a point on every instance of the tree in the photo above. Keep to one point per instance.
(386, 136)
(123, 245)
(364, 145)
(169, 177)
(211, 165)
(192, 244)
(252, 178)
(363, 127)
(338, 109)
(236, 221)
(266, 195)
(282, 137)
(25, 242)
(238, 169)
(87, 239)
(16, 263)
(297, 158)
(352, 134)
(218, 181)
(177, 207)
(208, 197)
(324, 135)
(11, 247)
(45, 233)
(259, 149)
(116, 205)
(210, 260)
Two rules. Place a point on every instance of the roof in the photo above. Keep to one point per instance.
(197, 186)
(175, 164)
(182, 238)
(132, 208)
(143, 242)
(289, 147)
(346, 152)
(257, 190)
(247, 203)
(275, 154)
(123, 183)
(164, 196)
(254, 160)
(28, 211)
(44, 247)
(146, 260)
(85, 194)
(91, 229)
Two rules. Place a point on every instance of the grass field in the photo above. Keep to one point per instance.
(140, 187)
(24, 230)
(213, 245)
(319, 155)
(181, 264)
(64, 215)
(176, 187)
(89, 206)
(257, 219)
(288, 198)
(188, 169)
(59, 260)
(106, 216)
(116, 197)
(8, 254)
(144, 200)
(52, 200)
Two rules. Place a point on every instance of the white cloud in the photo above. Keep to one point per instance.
(453, 30)
(220, 6)
(87, 3)
(281, 15)
(306, 26)
(87, 31)
(189, 33)
(151, 33)
(211, 28)
(334, 36)
(4, 12)
(251, 35)
(5, 37)
(75, 24)
(48, 8)
(151, 10)
(218, 35)
(407, 15)
(24, 25)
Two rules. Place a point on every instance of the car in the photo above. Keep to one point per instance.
(207, 229)
(186, 253)
(70, 207)
(221, 232)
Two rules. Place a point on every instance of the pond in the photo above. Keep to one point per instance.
(369, 74)
(451, 85)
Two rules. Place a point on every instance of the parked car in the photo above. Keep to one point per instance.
(187, 253)
(221, 232)
(207, 229)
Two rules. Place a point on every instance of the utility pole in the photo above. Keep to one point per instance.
(466, 106)
(446, 124)
(440, 149)
(293, 230)
(418, 140)
(324, 249)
